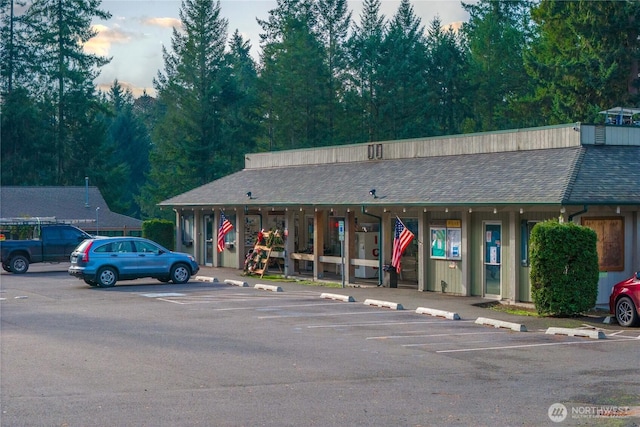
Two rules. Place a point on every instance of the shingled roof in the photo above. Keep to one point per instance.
(66, 204)
(513, 171)
(607, 175)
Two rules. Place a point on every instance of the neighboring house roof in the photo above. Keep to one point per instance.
(66, 204)
(573, 175)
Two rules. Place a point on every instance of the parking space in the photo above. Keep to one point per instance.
(305, 310)
(225, 352)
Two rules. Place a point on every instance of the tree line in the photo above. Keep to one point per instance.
(323, 77)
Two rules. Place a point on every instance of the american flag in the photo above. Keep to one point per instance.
(400, 242)
(225, 227)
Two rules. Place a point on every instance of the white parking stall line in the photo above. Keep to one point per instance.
(236, 297)
(333, 314)
(391, 337)
(173, 301)
(440, 343)
(162, 294)
(550, 344)
(366, 324)
(277, 316)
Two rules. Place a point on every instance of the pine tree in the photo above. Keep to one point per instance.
(188, 145)
(129, 140)
(446, 75)
(49, 102)
(333, 27)
(57, 30)
(241, 120)
(585, 59)
(402, 76)
(497, 35)
(365, 59)
(293, 79)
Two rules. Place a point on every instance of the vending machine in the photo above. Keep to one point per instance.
(366, 248)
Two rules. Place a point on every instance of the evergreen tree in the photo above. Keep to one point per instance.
(585, 59)
(241, 121)
(24, 133)
(402, 76)
(63, 74)
(188, 145)
(497, 35)
(365, 59)
(293, 79)
(130, 144)
(333, 27)
(446, 74)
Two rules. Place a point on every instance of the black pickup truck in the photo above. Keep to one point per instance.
(54, 244)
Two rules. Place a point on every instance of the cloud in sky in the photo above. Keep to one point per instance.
(101, 43)
(162, 22)
(134, 37)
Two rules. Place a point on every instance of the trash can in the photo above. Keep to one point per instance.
(393, 275)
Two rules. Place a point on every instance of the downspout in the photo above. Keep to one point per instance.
(379, 244)
(584, 210)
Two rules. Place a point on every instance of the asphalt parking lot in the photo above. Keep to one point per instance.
(210, 353)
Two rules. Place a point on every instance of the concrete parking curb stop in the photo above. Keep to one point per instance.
(501, 324)
(588, 333)
(272, 288)
(438, 313)
(206, 279)
(387, 304)
(345, 298)
(236, 283)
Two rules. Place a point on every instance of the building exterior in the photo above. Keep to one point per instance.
(83, 207)
(471, 201)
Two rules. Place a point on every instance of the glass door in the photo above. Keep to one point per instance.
(208, 240)
(492, 259)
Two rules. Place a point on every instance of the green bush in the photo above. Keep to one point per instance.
(564, 268)
(161, 231)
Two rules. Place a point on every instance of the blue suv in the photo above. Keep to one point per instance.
(104, 261)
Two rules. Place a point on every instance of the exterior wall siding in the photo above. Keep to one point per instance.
(530, 139)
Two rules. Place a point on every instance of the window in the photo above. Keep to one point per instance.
(187, 230)
(108, 248)
(446, 240)
(146, 247)
(525, 236)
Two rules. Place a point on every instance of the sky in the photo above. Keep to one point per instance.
(138, 29)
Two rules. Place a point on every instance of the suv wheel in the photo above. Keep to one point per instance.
(107, 277)
(180, 274)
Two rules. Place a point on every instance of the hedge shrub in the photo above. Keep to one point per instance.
(564, 268)
(160, 231)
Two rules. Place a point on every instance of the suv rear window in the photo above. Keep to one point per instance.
(82, 246)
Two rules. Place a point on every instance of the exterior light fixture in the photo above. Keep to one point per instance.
(495, 211)
(521, 211)
(618, 210)
(373, 193)
(470, 210)
(562, 210)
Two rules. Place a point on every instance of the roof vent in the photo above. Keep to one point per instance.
(374, 151)
(601, 135)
